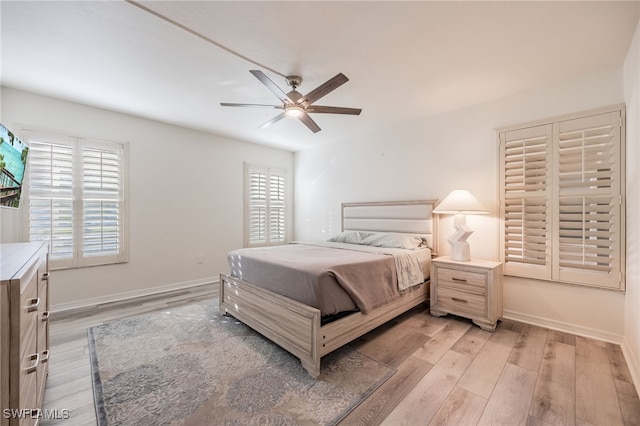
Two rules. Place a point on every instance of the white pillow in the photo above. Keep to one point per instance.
(351, 237)
(391, 240)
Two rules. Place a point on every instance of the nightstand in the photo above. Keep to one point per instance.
(468, 289)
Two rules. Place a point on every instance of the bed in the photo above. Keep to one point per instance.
(310, 325)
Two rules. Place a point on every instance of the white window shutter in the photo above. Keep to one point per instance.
(257, 208)
(276, 208)
(102, 203)
(50, 181)
(265, 205)
(525, 179)
(589, 235)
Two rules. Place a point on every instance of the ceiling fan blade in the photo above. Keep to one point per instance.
(271, 86)
(228, 104)
(325, 88)
(308, 121)
(273, 120)
(333, 110)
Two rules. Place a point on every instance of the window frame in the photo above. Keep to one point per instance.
(557, 189)
(79, 187)
(269, 171)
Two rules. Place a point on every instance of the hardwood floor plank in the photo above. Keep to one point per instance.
(377, 407)
(629, 402)
(64, 366)
(57, 378)
(472, 341)
(529, 348)
(442, 341)
(534, 421)
(618, 364)
(555, 392)
(460, 408)
(483, 374)
(82, 416)
(561, 337)
(425, 399)
(392, 344)
(429, 325)
(510, 401)
(69, 387)
(68, 400)
(594, 382)
(509, 324)
(589, 341)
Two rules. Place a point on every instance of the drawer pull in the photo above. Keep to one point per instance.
(455, 299)
(45, 356)
(459, 280)
(34, 304)
(45, 316)
(45, 276)
(36, 360)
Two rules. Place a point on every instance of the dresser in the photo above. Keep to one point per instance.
(24, 331)
(470, 289)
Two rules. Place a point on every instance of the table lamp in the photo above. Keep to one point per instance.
(460, 203)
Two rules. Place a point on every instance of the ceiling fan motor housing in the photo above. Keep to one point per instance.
(294, 81)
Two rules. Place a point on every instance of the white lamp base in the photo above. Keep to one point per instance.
(460, 250)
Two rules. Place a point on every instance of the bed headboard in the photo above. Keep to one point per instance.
(411, 217)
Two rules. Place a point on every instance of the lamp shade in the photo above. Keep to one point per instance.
(460, 201)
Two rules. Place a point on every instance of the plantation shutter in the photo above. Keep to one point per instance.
(526, 176)
(75, 198)
(50, 205)
(562, 205)
(276, 207)
(265, 205)
(257, 207)
(589, 200)
(102, 202)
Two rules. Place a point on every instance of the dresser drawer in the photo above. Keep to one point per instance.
(29, 305)
(461, 302)
(464, 280)
(28, 387)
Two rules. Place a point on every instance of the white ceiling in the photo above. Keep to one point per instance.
(404, 59)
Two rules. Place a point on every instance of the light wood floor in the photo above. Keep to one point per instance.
(449, 371)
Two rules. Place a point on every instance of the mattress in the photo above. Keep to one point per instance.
(332, 277)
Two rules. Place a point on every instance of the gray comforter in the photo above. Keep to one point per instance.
(332, 277)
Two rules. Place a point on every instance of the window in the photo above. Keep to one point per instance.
(265, 206)
(562, 204)
(75, 199)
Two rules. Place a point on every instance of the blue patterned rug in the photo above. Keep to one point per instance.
(189, 365)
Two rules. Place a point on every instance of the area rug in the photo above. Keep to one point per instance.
(189, 365)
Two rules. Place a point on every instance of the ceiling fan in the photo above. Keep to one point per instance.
(297, 105)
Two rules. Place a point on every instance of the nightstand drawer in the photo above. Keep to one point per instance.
(471, 289)
(463, 280)
(461, 302)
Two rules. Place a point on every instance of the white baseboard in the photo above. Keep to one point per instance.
(121, 297)
(633, 362)
(564, 326)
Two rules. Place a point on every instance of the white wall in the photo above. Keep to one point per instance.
(185, 193)
(429, 157)
(631, 344)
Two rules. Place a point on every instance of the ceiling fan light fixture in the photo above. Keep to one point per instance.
(294, 104)
(294, 111)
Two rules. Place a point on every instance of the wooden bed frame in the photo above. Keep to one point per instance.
(295, 326)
